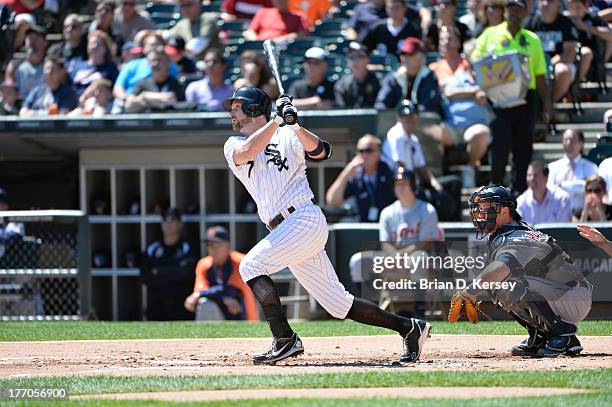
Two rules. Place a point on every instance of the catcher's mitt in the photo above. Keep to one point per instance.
(460, 306)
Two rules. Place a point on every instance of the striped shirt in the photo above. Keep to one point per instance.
(276, 178)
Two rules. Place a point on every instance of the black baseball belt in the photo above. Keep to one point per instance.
(278, 219)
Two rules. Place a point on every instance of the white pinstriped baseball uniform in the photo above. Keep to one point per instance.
(276, 179)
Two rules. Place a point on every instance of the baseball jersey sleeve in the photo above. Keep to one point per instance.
(228, 151)
(428, 229)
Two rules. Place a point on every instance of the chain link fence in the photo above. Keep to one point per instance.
(44, 265)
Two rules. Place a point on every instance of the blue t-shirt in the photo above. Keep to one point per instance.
(137, 70)
(41, 98)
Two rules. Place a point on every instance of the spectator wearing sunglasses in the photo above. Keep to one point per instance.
(367, 179)
(128, 21)
(359, 88)
(594, 210)
(103, 21)
(210, 91)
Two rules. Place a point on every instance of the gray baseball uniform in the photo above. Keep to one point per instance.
(538, 262)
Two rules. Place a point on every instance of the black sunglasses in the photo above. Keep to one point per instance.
(366, 150)
(594, 190)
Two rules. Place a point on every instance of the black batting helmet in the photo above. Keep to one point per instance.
(255, 102)
(499, 197)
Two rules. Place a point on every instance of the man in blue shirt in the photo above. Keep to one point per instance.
(56, 96)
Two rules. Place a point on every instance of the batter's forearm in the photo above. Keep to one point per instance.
(249, 148)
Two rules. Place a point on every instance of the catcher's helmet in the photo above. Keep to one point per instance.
(255, 102)
(402, 173)
(498, 196)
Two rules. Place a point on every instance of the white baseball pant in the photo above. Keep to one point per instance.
(299, 244)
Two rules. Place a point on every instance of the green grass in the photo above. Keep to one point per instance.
(588, 379)
(582, 400)
(70, 330)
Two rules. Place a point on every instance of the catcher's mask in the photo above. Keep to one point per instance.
(497, 196)
(255, 102)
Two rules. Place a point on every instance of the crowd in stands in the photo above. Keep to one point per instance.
(414, 57)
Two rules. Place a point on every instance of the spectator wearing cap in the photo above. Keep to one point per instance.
(466, 116)
(103, 20)
(157, 92)
(386, 35)
(28, 73)
(366, 179)
(243, 9)
(138, 69)
(167, 271)
(413, 81)
(446, 17)
(540, 204)
(402, 147)
(219, 292)
(315, 91)
(359, 88)
(96, 100)
(255, 72)
(196, 24)
(130, 51)
(128, 21)
(9, 99)
(56, 96)
(559, 38)
(276, 23)
(175, 48)
(99, 64)
(591, 27)
(210, 91)
(74, 47)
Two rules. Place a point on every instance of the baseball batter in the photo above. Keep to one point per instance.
(270, 161)
(551, 295)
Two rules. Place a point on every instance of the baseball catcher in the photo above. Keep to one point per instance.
(551, 295)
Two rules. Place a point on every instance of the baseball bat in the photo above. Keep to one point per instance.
(271, 53)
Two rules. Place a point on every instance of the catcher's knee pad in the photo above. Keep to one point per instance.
(528, 306)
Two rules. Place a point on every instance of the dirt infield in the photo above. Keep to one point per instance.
(232, 356)
(390, 392)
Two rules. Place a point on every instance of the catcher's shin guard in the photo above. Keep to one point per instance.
(530, 307)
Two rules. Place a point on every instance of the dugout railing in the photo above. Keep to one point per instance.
(44, 265)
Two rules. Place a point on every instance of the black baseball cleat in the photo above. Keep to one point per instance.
(560, 345)
(414, 340)
(279, 350)
(529, 346)
(524, 349)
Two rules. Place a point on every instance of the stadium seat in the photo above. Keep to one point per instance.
(152, 7)
(212, 7)
(299, 46)
(330, 28)
(232, 29)
(602, 150)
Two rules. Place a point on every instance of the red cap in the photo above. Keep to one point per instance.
(411, 45)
